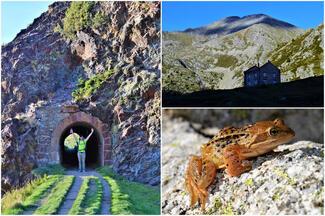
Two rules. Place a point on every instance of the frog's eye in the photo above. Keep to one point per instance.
(273, 131)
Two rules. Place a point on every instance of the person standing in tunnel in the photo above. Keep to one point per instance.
(81, 143)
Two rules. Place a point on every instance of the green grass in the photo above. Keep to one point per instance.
(16, 201)
(52, 169)
(226, 61)
(76, 207)
(184, 38)
(56, 197)
(88, 201)
(86, 88)
(131, 197)
(93, 199)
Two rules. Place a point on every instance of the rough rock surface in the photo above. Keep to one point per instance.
(287, 181)
(40, 70)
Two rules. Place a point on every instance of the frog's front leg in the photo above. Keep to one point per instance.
(199, 176)
(235, 163)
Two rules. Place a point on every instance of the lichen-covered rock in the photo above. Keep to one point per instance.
(286, 181)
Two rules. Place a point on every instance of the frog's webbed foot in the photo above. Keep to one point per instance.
(199, 176)
(235, 165)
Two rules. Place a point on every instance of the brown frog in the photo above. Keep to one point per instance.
(229, 150)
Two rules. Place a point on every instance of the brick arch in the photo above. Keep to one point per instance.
(81, 117)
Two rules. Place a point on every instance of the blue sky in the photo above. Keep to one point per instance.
(178, 16)
(18, 15)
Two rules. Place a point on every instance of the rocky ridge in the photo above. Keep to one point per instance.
(41, 68)
(233, 24)
(288, 181)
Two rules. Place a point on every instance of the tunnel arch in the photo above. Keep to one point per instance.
(100, 140)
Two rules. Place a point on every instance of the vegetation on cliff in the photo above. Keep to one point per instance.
(77, 17)
(86, 88)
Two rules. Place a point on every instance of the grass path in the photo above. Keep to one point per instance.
(83, 193)
(78, 192)
(75, 209)
(89, 199)
(56, 197)
(26, 199)
(40, 199)
(72, 194)
(93, 199)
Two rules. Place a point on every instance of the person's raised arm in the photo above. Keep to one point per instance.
(92, 131)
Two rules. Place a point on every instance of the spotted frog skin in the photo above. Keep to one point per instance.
(229, 150)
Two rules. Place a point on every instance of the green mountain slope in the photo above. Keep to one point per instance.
(302, 57)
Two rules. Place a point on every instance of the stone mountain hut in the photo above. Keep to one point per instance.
(264, 75)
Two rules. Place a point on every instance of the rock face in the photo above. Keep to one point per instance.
(215, 56)
(41, 68)
(286, 181)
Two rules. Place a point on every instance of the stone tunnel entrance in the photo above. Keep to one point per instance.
(98, 151)
(69, 158)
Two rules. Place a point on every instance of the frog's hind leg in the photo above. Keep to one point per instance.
(235, 163)
(194, 169)
(199, 176)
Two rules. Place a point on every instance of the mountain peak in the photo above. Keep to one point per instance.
(233, 24)
(231, 18)
(255, 16)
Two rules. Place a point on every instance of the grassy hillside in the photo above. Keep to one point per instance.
(302, 57)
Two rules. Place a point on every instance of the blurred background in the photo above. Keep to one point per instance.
(307, 123)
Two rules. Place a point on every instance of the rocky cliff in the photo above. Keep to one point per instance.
(104, 56)
(215, 56)
(286, 181)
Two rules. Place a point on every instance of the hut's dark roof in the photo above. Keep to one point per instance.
(258, 69)
(252, 69)
(269, 65)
